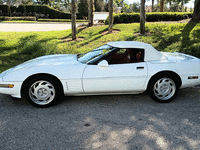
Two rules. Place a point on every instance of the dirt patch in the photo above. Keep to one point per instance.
(70, 39)
(115, 31)
(146, 34)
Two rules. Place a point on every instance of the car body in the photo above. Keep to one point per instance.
(102, 71)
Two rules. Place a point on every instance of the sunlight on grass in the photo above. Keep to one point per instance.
(17, 47)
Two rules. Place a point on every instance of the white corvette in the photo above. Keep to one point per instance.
(123, 67)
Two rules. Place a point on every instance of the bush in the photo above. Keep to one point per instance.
(17, 18)
(167, 16)
(150, 17)
(58, 20)
(30, 10)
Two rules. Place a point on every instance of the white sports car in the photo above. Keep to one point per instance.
(123, 67)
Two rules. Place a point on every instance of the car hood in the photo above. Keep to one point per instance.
(48, 60)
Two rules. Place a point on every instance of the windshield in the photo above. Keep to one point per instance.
(94, 54)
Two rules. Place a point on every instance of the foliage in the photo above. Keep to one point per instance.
(99, 5)
(17, 18)
(135, 7)
(53, 13)
(83, 7)
(177, 5)
(59, 20)
(150, 17)
(17, 47)
(167, 16)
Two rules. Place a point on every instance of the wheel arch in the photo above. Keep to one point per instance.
(40, 75)
(166, 73)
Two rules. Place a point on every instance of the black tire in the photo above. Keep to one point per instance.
(163, 89)
(42, 91)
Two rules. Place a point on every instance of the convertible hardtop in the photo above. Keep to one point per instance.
(128, 44)
(151, 54)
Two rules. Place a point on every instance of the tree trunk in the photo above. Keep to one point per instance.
(152, 6)
(161, 5)
(9, 11)
(142, 17)
(73, 19)
(196, 13)
(90, 13)
(182, 5)
(110, 16)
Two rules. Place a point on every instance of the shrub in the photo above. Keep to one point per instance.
(17, 18)
(167, 16)
(29, 10)
(150, 17)
(58, 20)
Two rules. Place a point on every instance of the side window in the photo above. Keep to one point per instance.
(129, 55)
(138, 55)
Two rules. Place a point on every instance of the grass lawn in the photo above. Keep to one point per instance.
(17, 47)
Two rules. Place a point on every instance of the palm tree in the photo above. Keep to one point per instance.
(161, 5)
(90, 13)
(152, 5)
(110, 16)
(142, 17)
(73, 19)
(196, 14)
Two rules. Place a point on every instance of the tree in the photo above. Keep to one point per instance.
(142, 17)
(83, 7)
(73, 19)
(90, 12)
(11, 3)
(152, 5)
(176, 5)
(67, 5)
(161, 5)
(196, 13)
(135, 7)
(48, 2)
(99, 5)
(110, 28)
(27, 2)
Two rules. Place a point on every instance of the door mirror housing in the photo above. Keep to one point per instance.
(103, 63)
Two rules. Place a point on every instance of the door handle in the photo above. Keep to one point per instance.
(140, 67)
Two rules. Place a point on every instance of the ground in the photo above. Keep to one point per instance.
(121, 122)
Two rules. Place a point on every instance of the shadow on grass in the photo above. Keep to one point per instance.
(93, 38)
(70, 35)
(28, 48)
(184, 38)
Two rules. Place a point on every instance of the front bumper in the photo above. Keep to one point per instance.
(10, 88)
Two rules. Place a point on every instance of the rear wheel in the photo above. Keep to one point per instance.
(163, 89)
(42, 91)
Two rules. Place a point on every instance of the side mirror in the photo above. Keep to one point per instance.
(103, 63)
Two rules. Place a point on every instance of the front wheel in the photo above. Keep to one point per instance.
(163, 89)
(42, 92)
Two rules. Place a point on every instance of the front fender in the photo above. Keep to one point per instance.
(61, 72)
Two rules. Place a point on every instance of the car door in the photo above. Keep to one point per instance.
(115, 78)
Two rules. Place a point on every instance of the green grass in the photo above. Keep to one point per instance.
(17, 47)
